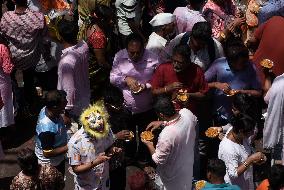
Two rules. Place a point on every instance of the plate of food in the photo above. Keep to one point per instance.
(200, 184)
(212, 132)
(141, 87)
(131, 136)
(231, 92)
(267, 63)
(147, 135)
(182, 95)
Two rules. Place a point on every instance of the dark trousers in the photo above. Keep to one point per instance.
(24, 96)
(141, 120)
(61, 167)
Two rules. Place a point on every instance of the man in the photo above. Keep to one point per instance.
(216, 171)
(174, 151)
(132, 68)
(270, 8)
(234, 72)
(163, 26)
(187, 16)
(268, 36)
(51, 134)
(274, 123)
(24, 30)
(73, 69)
(87, 147)
(128, 16)
(180, 74)
(204, 48)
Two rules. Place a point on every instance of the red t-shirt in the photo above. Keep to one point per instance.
(271, 46)
(192, 79)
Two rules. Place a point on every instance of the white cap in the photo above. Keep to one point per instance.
(162, 19)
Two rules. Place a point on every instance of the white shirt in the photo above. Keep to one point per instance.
(157, 44)
(81, 150)
(273, 132)
(234, 155)
(201, 57)
(174, 153)
(126, 9)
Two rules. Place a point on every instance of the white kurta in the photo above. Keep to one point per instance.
(174, 153)
(273, 132)
(157, 45)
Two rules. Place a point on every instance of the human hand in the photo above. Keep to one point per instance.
(101, 158)
(147, 143)
(154, 125)
(257, 157)
(123, 135)
(174, 86)
(132, 83)
(236, 23)
(225, 87)
(114, 150)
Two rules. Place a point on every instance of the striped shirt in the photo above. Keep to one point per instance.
(24, 33)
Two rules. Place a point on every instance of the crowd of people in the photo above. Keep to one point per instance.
(191, 92)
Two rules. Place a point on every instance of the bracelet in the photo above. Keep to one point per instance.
(245, 164)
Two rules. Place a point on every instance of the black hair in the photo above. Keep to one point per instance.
(235, 50)
(113, 95)
(103, 13)
(28, 161)
(242, 123)
(163, 105)
(54, 98)
(21, 3)
(133, 37)
(203, 31)
(183, 50)
(217, 167)
(246, 104)
(68, 30)
(276, 177)
(196, 2)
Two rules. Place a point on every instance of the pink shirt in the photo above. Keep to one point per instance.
(73, 77)
(186, 18)
(142, 71)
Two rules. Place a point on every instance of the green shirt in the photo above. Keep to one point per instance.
(210, 186)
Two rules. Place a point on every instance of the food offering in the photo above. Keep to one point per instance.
(147, 135)
(131, 136)
(212, 132)
(182, 95)
(231, 92)
(200, 185)
(141, 87)
(251, 13)
(267, 63)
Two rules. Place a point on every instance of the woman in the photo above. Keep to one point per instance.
(34, 176)
(219, 13)
(6, 67)
(237, 154)
(98, 35)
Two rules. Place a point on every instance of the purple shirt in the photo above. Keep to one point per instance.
(186, 18)
(142, 71)
(73, 77)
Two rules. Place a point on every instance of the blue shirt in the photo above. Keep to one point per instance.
(220, 71)
(270, 9)
(44, 124)
(210, 186)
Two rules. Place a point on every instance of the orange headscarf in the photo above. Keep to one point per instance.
(47, 5)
